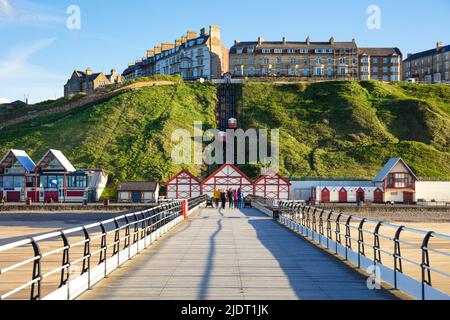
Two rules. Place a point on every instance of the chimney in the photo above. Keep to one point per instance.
(308, 41)
(331, 40)
(354, 41)
(183, 39)
(191, 35)
(113, 71)
(150, 53)
(88, 71)
(439, 45)
(214, 32)
(167, 46)
(236, 42)
(202, 32)
(260, 40)
(409, 55)
(284, 41)
(157, 50)
(178, 42)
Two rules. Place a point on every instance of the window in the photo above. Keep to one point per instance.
(303, 50)
(77, 181)
(365, 69)
(266, 61)
(292, 71)
(279, 61)
(385, 60)
(330, 72)
(385, 69)
(265, 50)
(342, 70)
(394, 60)
(374, 60)
(291, 50)
(293, 61)
(278, 51)
(363, 60)
(375, 69)
(250, 50)
(318, 71)
(239, 51)
(305, 61)
(251, 60)
(385, 78)
(305, 72)
(330, 60)
(318, 61)
(394, 69)
(400, 180)
(265, 71)
(375, 77)
(251, 71)
(395, 78)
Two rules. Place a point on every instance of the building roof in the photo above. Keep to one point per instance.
(292, 45)
(388, 168)
(228, 164)
(272, 176)
(380, 51)
(428, 53)
(58, 155)
(138, 186)
(91, 77)
(21, 156)
(184, 171)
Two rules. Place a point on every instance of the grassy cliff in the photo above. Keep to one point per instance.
(331, 129)
(350, 129)
(129, 135)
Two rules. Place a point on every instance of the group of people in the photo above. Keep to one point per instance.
(234, 198)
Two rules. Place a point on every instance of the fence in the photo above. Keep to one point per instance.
(67, 263)
(404, 264)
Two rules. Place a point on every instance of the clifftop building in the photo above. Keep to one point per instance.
(86, 82)
(308, 59)
(431, 66)
(191, 56)
(311, 60)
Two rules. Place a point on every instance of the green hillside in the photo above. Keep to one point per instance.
(350, 129)
(330, 129)
(129, 135)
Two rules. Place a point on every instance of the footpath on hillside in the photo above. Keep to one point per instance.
(83, 102)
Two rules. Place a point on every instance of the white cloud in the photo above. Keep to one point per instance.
(26, 13)
(20, 77)
(6, 8)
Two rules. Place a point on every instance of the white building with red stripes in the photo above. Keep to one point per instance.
(183, 185)
(272, 186)
(227, 177)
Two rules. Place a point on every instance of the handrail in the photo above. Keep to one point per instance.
(289, 215)
(142, 228)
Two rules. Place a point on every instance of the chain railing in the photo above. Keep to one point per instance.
(379, 247)
(74, 260)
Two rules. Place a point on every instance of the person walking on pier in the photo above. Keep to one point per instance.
(216, 197)
(240, 198)
(235, 198)
(231, 198)
(223, 197)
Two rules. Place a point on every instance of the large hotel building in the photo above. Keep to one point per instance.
(314, 60)
(192, 56)
(431, 66)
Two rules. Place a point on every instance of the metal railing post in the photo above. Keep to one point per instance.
(361, 246)
(376, 245)
(338, 231)
(87, 256)
(66, 268)
(348, 237)
(36, 286)
(426, 272)
(398, 265)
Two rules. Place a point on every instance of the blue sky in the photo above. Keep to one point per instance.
(38, 52)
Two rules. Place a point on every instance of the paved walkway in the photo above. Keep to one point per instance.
(235, 255)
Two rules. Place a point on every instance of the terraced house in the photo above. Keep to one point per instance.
(430, 66)
(384, 64)
(192, 56)
(308, 59)
(314, 60)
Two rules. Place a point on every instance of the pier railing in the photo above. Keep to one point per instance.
(62, 265)
(408, 259)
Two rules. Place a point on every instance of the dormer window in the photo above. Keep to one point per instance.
(278, 51)
(265, 50)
